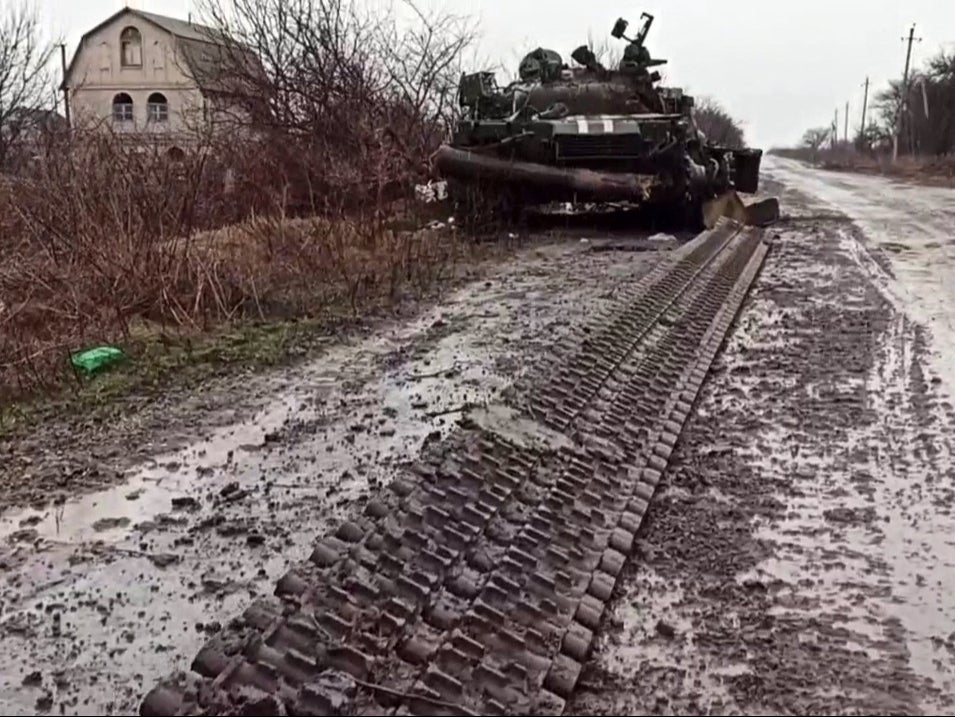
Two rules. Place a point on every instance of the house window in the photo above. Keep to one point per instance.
(131, 48)
(157, 107)
(122, 108)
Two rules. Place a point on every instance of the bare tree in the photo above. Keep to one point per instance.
(928, 121)
(717, 124)
(815, 138)
(925, 122)
(351, 101)
(423, 65)
(609, 52)
(26, 84)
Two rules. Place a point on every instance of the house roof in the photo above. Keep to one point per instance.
(203, 46)
(181, 28)
(26, 118)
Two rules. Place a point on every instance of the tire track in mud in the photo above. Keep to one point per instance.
(798, 557)
(477, 584)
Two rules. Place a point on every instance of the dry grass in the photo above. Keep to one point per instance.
(97, 244)
(291, 204)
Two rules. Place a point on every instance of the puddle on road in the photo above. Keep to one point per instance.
(420, 398)
(508, 423)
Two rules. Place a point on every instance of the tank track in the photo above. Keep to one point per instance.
(477, 585)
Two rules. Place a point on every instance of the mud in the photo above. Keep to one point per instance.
(798, 556)
(910, 228)
(105, 591)
(478, 579)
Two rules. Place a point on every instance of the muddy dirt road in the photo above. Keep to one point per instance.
(798, 556)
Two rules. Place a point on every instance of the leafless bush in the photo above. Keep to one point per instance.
(319, 110)
(346, 104)
(102, 239)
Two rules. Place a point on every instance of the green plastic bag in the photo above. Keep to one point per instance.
(92, 361)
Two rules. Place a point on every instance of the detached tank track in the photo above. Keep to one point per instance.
(477, 586)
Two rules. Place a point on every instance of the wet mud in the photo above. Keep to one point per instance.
(798, 556)
(478, 577)
(104, 591)
(910, 229)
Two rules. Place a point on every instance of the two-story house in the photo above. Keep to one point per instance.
(147, 73)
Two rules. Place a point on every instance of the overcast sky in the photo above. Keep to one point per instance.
(780, 66)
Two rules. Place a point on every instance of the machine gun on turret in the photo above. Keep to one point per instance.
(636, 57)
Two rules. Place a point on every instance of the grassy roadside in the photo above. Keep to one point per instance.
(159, 361)
(925, 171)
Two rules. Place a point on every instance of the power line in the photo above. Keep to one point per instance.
(845, 134)
(865, 103)
(905, 91)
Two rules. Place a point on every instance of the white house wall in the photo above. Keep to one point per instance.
(97, 77)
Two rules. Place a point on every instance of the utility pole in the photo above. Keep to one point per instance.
(845, 119)
(865, 103)
(66, 90)
(905, 91)
(835, 129)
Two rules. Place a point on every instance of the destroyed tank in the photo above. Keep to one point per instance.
(589, 135)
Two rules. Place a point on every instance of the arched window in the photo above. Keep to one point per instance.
(122, 108)
(157, 107)
(131, 48)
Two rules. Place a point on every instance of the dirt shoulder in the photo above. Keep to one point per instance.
(796, 559)
(930, 171)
